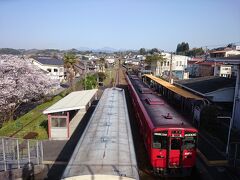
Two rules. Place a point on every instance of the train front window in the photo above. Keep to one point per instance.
(189, 143)
(176, 143)
(160, 140)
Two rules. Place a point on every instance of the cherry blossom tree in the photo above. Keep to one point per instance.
(20, 81)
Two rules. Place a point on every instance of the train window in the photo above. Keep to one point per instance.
(176, 143)
(189, 143)
(159, 141)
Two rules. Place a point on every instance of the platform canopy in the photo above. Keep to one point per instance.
(182, 92)
(73, 101)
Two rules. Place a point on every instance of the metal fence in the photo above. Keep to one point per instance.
(15, 153)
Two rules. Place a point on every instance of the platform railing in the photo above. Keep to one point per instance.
(16, 153)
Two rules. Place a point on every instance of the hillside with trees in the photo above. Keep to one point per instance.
(9, 51)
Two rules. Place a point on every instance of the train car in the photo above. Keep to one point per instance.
(105, 150)
(169, 139)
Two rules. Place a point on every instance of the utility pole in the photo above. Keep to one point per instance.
(170, 70)
(85, 76)
(206, 51)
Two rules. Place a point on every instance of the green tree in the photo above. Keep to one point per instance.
(154, 58)
(182, 48)
(70, 60)
(142, 51)
(154, 50)
(195, 52)
(152, 61)
(101, 76)
(101, 63)
(90, 82)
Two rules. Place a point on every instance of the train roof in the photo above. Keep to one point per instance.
(106, 146)
(159, 111)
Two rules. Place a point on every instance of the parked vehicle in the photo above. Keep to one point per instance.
(169, 139)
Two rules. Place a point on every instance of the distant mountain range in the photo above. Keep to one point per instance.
(54, 51)
(104, 49)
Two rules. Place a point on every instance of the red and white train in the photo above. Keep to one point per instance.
(169, 139)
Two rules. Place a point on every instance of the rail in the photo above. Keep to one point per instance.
(120, 77)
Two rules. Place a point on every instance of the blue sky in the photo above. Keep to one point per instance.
(127, 24)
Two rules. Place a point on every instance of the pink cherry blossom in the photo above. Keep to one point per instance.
(20, 81)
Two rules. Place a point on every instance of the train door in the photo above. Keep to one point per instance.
(174, 158)
(189, 149)
(159, 149)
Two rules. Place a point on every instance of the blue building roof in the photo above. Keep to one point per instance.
(49, 61)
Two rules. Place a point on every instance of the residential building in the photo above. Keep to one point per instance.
(110, 60)
(179, 64)
(192, 66)
(226, 52)
(222, 70)
(54, 67)
(197, 67)
(132, 61)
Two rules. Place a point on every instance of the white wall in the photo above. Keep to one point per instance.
(54, 75)
(231, 53)
(179, 63)
(225, 71)
(59, 133)
(110, 60)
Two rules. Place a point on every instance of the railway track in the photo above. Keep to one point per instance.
(120, 77)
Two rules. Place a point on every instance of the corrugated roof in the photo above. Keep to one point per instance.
(173, 88)
(73, 101)
(106, 146)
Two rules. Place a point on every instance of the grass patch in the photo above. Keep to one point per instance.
(34, 121)
(110, 76)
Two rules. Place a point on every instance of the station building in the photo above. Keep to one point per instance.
(65, 115)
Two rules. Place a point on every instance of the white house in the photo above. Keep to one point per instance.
(54, 67)
(110, 60)
(179, 64)
(135, 62)
(223, 70)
